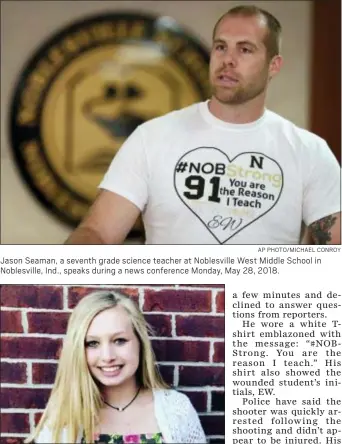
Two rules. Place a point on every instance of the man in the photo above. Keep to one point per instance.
(225, 171)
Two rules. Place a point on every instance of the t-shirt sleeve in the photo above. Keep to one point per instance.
(322, 191)
(128, 171)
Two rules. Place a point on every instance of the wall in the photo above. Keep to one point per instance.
(189, 324)
(25, 25)
(326, 74)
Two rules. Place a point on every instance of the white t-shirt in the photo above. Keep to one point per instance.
(199, 180)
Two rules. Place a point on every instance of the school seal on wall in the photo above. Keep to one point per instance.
(86, 89)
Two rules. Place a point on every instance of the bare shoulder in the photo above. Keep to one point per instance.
(326, 230)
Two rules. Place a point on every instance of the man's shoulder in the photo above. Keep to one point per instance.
(293, 131)
(171, 119)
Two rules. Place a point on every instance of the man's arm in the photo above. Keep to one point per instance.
(326, 230)
(109, 220)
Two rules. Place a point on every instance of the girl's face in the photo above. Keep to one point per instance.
(112, 348)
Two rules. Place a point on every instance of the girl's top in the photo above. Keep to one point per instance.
(147, 438)
(177, 420)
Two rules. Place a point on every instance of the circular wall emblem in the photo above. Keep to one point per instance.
(86, 90)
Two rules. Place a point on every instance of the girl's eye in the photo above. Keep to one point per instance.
(120, 341)
(91, 344)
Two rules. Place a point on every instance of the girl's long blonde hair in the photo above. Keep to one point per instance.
(75, 400)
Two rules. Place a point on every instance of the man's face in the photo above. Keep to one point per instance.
(239, 68)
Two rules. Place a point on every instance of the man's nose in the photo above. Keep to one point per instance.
(229, 58)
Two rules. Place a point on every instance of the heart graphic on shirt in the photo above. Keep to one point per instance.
(227, 195)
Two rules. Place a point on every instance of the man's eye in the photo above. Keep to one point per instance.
(91, 344)
(246, 50)
(219, 47)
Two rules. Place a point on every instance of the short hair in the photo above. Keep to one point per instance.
(272, 40)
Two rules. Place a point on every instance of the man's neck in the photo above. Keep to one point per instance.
(240, 113)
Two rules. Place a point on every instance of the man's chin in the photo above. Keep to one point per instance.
(226, 98)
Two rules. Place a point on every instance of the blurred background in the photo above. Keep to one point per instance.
(120, 79)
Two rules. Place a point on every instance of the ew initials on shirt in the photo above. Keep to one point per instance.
(227, 195)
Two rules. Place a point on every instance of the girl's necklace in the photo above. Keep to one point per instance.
(121, 409)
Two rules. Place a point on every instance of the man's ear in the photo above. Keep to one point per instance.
(275, 66)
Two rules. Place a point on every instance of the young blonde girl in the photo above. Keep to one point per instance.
(87, 379)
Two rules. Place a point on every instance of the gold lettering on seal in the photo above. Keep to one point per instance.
(102, 31)
(38, 170)
(35, 86)
(47, 184)
(196, 64)
(172, 43)
(30, 97)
